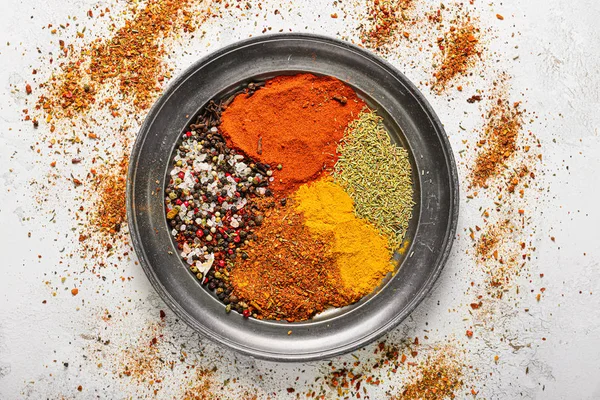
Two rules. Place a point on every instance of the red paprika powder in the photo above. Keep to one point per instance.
(293, 121)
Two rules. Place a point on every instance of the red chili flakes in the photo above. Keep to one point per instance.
(500, 17)
(74, 291)
(28, 88)
(469, 333)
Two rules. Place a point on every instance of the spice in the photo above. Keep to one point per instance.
(143, 362)
(133, 56)
(438, 378)
(288, 273)
(208, 198)
(377, 175)
(297, 121)
(489, 240)
(110, 212)
(361, 252)
(295, 261)
(459, 49)
(498, 141)
(385, 17)
(202, 386)
(503, 171)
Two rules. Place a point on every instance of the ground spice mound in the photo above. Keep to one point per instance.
(110, 212)
(377, 175)
(498, 141)
(132, 56)
(361, 252)
(458, 52)
(384, 19)
(293, 121)
(288, 273)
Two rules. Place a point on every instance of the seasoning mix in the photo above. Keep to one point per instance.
(265, 204)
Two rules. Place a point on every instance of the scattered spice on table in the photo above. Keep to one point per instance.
(385, 19)
(498, 141)
(132, 58)
(313, 111)
(425, 371)
(202, 387)
(110, 212)
(503, 170)
(103, 227)
(377, 175)
(438, 378)
(142, 360)
(489, 239)
(459, 51)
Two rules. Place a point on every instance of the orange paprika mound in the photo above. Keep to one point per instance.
(295, 121)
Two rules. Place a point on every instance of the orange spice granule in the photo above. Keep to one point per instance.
(110, 211)
(459, 51)
(438, 378)
(491, 238)
(498, 141)
(289, 274)
(202, 386)
(386, 17)
(132, 56)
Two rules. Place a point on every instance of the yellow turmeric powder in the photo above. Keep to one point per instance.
(362, 253)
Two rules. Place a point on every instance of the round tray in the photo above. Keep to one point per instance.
(411, 123)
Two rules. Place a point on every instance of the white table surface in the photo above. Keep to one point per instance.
(557, 71)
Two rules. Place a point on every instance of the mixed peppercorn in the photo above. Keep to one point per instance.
(209, 203)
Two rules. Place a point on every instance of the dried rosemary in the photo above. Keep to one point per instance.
(377, 175)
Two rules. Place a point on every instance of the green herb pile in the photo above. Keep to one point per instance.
(376, 173)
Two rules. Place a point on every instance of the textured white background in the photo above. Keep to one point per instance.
(557, 71)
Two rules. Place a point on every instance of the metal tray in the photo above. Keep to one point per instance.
(411, 122)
